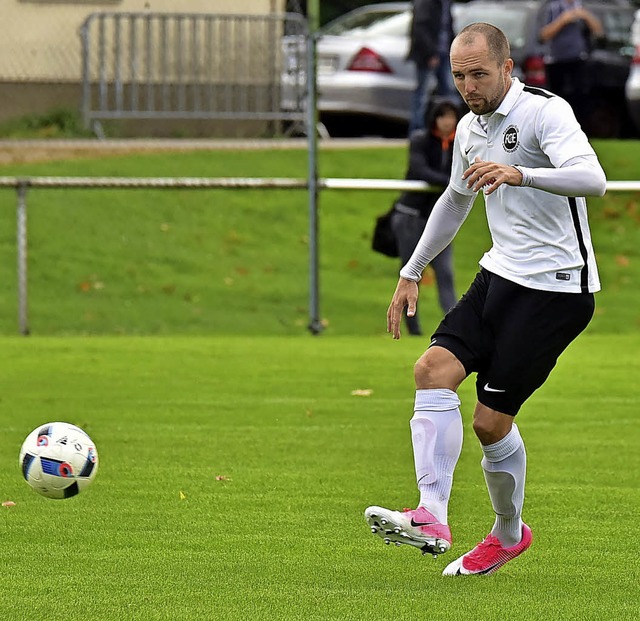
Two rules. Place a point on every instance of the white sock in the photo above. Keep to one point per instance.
(505, 465)
(436, 434)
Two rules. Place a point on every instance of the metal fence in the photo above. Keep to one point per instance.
(22, 185)
(185, 66)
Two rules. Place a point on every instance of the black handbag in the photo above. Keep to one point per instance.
(384, 241)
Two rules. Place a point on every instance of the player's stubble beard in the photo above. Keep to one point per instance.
(490, 105)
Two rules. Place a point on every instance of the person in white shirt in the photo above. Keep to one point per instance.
(523, 149)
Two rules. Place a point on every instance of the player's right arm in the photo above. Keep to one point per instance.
(448, 214)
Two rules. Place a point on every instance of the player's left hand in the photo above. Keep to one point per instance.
(489, 176)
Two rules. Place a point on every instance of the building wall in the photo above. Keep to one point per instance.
(39, 39)
(41, 51)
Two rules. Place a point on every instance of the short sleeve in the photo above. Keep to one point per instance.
(560, 136)
(460, 161)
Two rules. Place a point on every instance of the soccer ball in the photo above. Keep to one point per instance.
(58, 460)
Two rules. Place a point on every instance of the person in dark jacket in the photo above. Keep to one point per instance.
(431, 35)
(430, 156)
(567, 29)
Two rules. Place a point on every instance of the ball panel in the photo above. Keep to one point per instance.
(26, 460)
(71, 490)
(89, 464)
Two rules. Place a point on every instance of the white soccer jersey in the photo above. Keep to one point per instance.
(540, 240)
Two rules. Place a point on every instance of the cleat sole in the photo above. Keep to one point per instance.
(394, 533)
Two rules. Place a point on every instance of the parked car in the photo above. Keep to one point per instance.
(362, 71)
(633, 82)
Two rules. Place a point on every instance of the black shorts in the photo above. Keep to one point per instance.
(511, 336)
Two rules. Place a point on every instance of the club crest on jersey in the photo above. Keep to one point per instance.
(510, 140)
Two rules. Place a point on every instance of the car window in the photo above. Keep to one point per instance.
(512, 22)
(396, 26)
(357, 23)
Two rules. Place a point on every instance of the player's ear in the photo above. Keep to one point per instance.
(508, 66)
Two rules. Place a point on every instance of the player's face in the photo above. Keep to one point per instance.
(479, 78)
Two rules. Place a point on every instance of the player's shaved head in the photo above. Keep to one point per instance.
(497, 42)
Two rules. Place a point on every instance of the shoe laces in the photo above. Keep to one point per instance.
(486, 549)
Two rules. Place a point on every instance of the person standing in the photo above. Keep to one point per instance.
(567, 28)
(534, 294)
(430, 36)
(430, 157)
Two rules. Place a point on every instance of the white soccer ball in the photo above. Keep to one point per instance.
(58, 460)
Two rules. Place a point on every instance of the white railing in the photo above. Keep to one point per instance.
(22, 184)
(277, 183)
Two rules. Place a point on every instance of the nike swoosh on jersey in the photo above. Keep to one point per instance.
(489, 389)
(466, 151)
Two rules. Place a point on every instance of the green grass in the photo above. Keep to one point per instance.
(59, 123)
(171, 325)
(236, 261)
(283, 536)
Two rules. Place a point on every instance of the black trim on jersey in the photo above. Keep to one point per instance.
(584, 272)
(538, 91)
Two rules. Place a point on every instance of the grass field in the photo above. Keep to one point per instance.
(236, 261)
(235, 460)
(281, 536)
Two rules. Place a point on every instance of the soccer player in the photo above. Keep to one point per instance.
(523, 148)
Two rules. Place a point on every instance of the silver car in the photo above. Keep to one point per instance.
(361, 65)
(632, 88)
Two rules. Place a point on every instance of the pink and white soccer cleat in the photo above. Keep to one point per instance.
(414, 527)
(488, 556)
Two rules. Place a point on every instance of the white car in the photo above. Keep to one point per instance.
(632, 88)
(362, 71)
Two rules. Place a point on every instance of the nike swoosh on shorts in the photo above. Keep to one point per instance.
(489, 389)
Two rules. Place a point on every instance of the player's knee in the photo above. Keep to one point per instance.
(438, 368)
(423, 370)
(484, 429)
(490, 426)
